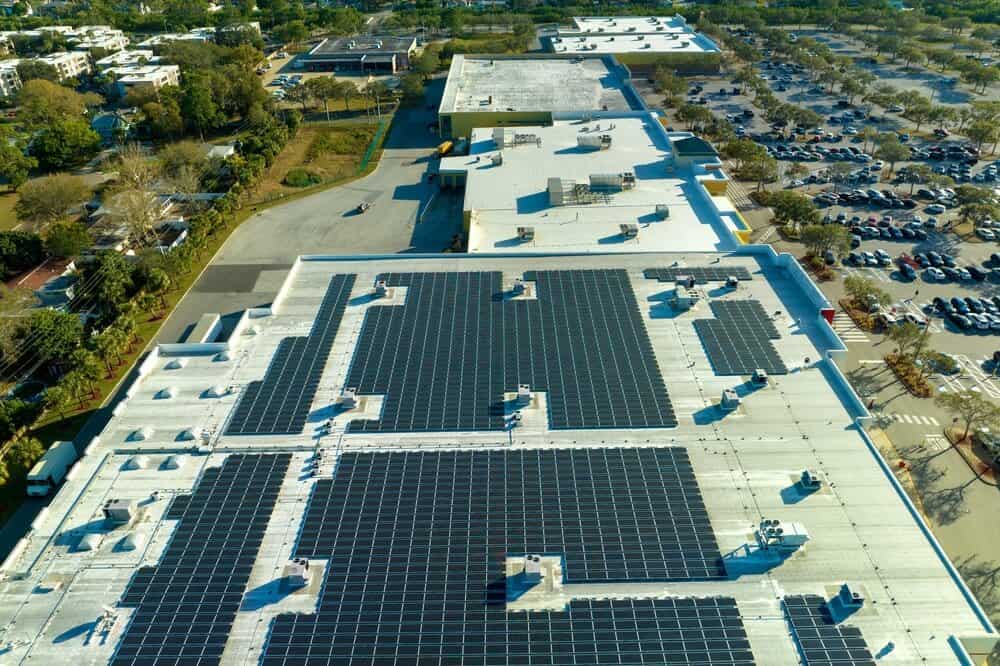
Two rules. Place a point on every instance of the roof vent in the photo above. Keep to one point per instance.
(216, 391)
(629, 230)
(173, 462)
(141, 434)
(189, 434)
(223, 356)
(88, 542)
(253, 330)
(136, 462)
(519, 286)
(176, 364)
(166, 393)
(130, 541)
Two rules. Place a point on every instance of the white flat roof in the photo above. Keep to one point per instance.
(526, 83)
(861, 530)
(514, 194)
(631, 34)
(636, 24)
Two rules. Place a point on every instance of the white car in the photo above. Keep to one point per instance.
(883, 257)
(963, 274)
(935, 274)
(877, 165)
(986, 234)
(915, 319)
(935, 209)
(981, 322)
(869, 258)
(895, 108)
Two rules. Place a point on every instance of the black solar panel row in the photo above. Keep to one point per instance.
(186, 604)
(701, 274)
(445, 358)
(738, 341)
(279, 403)
(820, 639)
(416, 544)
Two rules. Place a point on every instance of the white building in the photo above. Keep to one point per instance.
(194, 35)
(636, 36)
(127, 59)
(141, 76)
(617, 183)
(91, 37)
(69, 64)
(10, 81)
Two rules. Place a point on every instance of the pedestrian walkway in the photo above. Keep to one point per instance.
(739, 196)
(848, 331)
(876, 274)
(913, 419)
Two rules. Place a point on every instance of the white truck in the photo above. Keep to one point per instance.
(51, 469)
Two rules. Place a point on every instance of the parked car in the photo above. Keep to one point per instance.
(934, 274)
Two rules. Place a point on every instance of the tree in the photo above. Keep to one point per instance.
(793, 208)
(693, 114)
(973, 408)
(88, 365)
(198, 104)
(57, 399)
(135, 168)
(43, 102)
(138, 211)
(291, 33)
(66, 239)
(912, 55)
(864, 293)
(668, 83)
(54, 335)
(983, 131)
(23, 454)
(65, 143)
(852, 87)
(14, 305)
(158, 284)
(891, 150)
(300, 94)
(820, 238)
(324, 88)
(14, 164)
(427, 63)
(347, 91)
(37, 70)
(908, 338)
(49, 198)
(796, 170)
(918, 173)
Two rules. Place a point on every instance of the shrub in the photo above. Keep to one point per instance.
(301, 178)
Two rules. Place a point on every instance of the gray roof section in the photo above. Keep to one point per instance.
(359, 45)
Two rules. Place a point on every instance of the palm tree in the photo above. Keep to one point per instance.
(88, 365)
(57, 398)
(108, 348)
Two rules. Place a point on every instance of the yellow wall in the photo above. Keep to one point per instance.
(462, 123)
(715, 187)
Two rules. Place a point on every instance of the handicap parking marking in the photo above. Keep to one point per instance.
(936, 443)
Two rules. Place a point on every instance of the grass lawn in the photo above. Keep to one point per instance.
(330, 152)
(8, 219)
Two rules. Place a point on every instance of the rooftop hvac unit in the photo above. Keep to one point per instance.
(686, 281)
(518, 287)
(523, 395)
(189, 434)
(216, 391)
(176, 364)
(496, 159)
(647, 46)
(684, 44)
(849, 597)
(659, 28)
(88, 542)
(594, 141)
(381, 288)
(730, 400)
(774, 534)
(533, 566)
(640, 38)
(525, 234)
(759, 376)
(606, 182)
(349, 398)
(732, 282)
(629, 230)
(593, 47)
(662, 211)
(118, 511)
(810, 480)
(503, 137)
(298, 572)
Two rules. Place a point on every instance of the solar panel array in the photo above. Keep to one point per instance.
(701, 274)
(738, 340)
(820, 639)
(279, 404)
(417, 542)
(186, 604)
(444, 359)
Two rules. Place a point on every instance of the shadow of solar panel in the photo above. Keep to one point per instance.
(185, 605)
(444, 359)
(416, 544)
(738, 341)
(820, 640)
(279, 404)
(701, 274)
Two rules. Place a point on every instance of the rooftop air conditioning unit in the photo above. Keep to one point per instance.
(662, 211)
(810, 480)
(523, 395)
(730, 400)
(533, 566)
(518, 287)
(118, 511)
(496, 159)
(686, 281)
(381, 288)
(732, 282)
(629, 230)
(349, 398)
(759, 376)
(298, 572)
(850, 598)
(526, 233)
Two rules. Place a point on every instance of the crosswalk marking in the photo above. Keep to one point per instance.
(913, 419)
(766, 235)
(877, 274)
(845, 327)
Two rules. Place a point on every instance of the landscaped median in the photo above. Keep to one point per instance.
(909, 375)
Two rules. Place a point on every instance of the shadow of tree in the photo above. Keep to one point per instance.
(982, 576)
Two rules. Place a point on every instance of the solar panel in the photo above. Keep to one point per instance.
(416, 544)
(279, 404)
(444, 359)
(738, 340)
(819, 638)
(186, 604)
(701, 274)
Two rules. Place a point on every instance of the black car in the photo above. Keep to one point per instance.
(920, 234)
(976, 273)
(960, 321)
(922, 259)
(995, 259)
(960, 306)
(935, 259)
(950, 273)
(907, 272)
(948, 260)
(974, 305)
